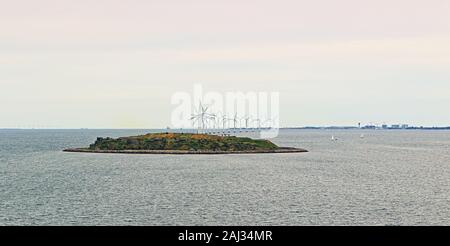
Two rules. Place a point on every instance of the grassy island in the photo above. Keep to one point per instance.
(183, 143)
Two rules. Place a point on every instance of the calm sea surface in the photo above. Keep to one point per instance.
(385, 178)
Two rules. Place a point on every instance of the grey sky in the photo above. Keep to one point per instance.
(115, 64)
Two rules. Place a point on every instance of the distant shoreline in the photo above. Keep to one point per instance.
(376, 129)
(281, 128)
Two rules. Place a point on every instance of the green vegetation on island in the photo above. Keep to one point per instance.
(182, 142)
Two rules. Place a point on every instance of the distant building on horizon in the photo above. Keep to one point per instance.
(369, 127)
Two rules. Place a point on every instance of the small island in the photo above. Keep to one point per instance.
(183, 143)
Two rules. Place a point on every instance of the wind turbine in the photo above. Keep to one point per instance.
(195, 118)
(235, 120)
(212, 118)
(267, 121)
(202, 117)
(273, 122)
(259, 122)
(224, 121)
(247, 119)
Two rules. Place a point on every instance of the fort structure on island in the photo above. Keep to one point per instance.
(184, 143)
(212, 137)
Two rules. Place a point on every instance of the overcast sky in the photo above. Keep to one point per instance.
(116, 64)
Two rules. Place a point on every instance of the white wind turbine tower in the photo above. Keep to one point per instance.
(212, 118)
(224, 122)
(218, 124)
(235, 121)
(246, 119)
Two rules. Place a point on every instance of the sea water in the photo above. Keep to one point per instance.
(386, 178)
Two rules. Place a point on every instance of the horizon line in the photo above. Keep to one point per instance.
(164, 128)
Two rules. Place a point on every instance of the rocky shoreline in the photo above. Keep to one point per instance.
(188, 152)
